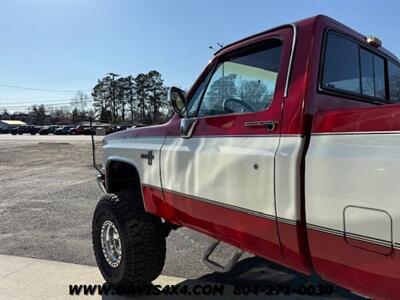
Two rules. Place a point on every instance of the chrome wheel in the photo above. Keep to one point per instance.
(111, 243)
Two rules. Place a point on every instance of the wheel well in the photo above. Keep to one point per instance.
(122, 176)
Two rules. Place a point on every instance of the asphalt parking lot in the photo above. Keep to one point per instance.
(48, 194)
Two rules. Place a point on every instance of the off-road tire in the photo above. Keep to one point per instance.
(142, 240)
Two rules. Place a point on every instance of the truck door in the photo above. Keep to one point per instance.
(217, 165)
(353, 168)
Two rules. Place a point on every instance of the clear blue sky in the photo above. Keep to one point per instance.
(68, 45)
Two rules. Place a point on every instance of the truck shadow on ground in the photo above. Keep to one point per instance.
(251, 278)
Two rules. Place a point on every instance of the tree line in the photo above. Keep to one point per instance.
(77, 112)
(129, 100)
(140, 99)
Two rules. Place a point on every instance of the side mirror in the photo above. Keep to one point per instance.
(176, 98)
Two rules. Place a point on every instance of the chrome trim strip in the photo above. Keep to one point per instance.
(216, 136)
(368, 239)
(241, 136)
(353, 236)
(355, 133)
(325, 229)
(229, 206)
(230, 136)
(288, 221)
(290, 60)
(224, 205)
(262, 135)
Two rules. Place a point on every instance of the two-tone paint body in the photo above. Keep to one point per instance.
(318, 193)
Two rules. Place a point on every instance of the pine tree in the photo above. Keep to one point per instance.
(142, 90)
(140, 99)
(157, 94)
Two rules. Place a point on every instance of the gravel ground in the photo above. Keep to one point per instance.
(47, 198)
(48, 194)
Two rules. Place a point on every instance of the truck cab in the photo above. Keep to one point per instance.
(287, 146)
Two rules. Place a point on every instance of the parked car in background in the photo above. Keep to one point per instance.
(109, 130)
(89, 130)
(80, 129)
(105, 129)
(4, 130)
(45, 130)
(64, 130)
(122, 127)
(25, 129)
(18, 130)
(33, 130)
(15, 131)
(53, 128)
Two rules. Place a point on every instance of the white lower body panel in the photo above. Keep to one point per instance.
(352, 185)
(287, 178)
(130, 151)
(231, 171)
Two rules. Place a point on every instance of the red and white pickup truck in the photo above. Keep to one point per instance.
(287, 146)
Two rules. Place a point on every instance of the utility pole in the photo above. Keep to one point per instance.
(113, 75)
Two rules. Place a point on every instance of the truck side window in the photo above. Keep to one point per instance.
(244, 83)
(379, 77)
(394, 82)
(341, 65)
(350, 68)
(372, 74)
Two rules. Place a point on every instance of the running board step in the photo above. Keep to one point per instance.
(216, 266)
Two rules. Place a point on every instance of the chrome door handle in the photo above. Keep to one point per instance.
(269, 125)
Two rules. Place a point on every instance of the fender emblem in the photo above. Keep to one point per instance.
(149, 156)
